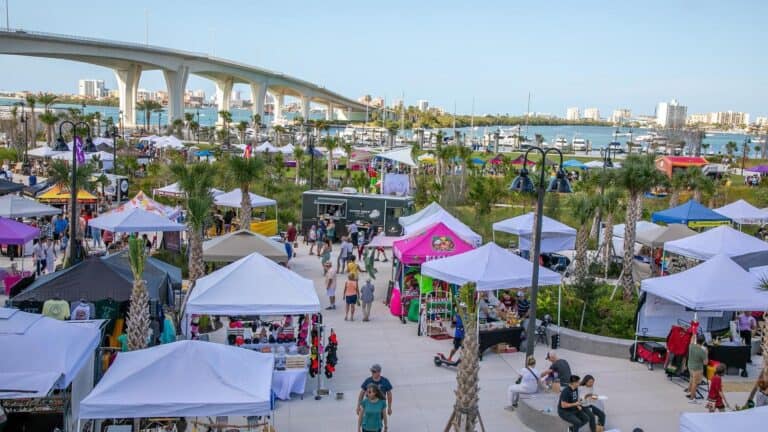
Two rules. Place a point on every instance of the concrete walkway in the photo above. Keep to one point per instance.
(423, 393)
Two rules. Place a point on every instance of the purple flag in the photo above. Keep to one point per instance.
(79, 150)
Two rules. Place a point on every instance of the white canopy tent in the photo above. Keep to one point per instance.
(253, 285)
(105, 141)
(235, 245)
(43, 152)
(384, 241)
(265, 147)
(169, 141)
(41, 353)
(287, 149)
(743, 213)
(716, 241)
(746, 420)
(490, 267)
(13, 206)
(455, 225)
(174, 190)
(183, 379)
(402, 156)
(555, 236)
(234, 198)
(429, 210)
(134, 219)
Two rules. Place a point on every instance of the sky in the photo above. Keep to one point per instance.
(709, 55)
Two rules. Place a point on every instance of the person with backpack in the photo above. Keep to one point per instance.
(527, 383)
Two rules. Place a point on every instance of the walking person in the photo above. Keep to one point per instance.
(330, 285)
(716, 397)
(352, 230)
(366, 297)
(697, 359)
(38, 254)
(50, 256)
(528, 383)
(379, 380)
(351, 295)
(569, 407)
(371, 415)
(290, 236)
(331, 230)
(312, 239)
(592, 403)
(345, 251)
(325, 254)
(380, 250)
(458, 337)
(746, 324)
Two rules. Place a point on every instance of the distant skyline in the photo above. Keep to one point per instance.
(607, 55)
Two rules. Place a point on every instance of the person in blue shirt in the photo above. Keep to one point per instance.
(59, 228)
(371, 415)
(458, 337)
(381, 382)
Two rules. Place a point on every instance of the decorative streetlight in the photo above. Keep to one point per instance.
(311, 147)
(159, 119)
(74, 251)
(523, 183)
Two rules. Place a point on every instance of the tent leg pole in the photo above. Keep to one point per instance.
(78, 425)
(559, 300)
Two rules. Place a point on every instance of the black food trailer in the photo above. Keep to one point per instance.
(344, 208)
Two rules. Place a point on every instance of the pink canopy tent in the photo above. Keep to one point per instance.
(142, 201)
(520, 159)
(437, 242)
(16, 233)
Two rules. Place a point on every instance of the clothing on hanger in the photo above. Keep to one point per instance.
(56, 308)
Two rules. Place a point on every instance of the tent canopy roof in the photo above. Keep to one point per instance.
(745, 420)
(691, 211)
(183, 379)
(23, 335)
(657, 237)
(429, 210)
(134, 219)
(100, 278)
(555, 236)
(233, 246)
(434, 214)
(402, 156)
(16, 233)
(718, 284)
(438, 241)
(59, 195)
(253, 285)
(9, 187)
(490, 267)
(142, 201)
(234, 198)
(743, 213)
(12, 206)
(618, 230)
(720, 240)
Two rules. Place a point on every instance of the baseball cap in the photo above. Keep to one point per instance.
(376, 368)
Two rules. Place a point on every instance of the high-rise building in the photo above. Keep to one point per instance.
(592, 114)
(91, 88)
(423, 104)
(721, 118)
(671, 114)
(621, 115)
(573, 114)
(761, 121)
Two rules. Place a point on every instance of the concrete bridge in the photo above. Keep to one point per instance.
(129, 60)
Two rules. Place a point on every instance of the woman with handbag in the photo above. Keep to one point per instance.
(527, 383)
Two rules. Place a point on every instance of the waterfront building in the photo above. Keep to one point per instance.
(721, 118)
(592, 114)
(761, 121)
(423, 104)
(621, 115)
(573, 114)
(671, 114)
(91, 88)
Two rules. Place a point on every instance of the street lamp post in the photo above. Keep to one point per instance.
(311, 147)
(197, 131)
(744, 150)
(25, 121)
(159, 119)
(74, 245)
(523, 183)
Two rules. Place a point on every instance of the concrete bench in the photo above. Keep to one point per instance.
(592, 344)
(539, 412)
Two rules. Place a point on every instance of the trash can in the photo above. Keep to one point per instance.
(555, 341)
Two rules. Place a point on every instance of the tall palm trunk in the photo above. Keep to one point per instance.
(627, 279)
(608, 241)
(196, 266)
(138, 320)
(245, 207)
(674, 198)
(697, 195)
(593, 232)
(298, 170)
(582, 241)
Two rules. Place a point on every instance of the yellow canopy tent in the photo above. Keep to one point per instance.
(57, 195)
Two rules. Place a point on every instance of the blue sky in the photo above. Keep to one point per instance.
(707, 54)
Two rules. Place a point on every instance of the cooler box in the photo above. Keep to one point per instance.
(649, 352)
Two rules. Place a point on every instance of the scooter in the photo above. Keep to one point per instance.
(441, 360)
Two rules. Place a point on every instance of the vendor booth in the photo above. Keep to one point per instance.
(491, 268)
(134, 219)
(746, 420)
(185, 379)
(707, 293)
(7, 187)
(16, 237)
(555, 236)
(433, 214)
(142, 201)
(721, 240)
(12, 206)
(234, 199)
(57, 195)
(261, 298)
(47, 367)
(411, 289)
(743, 213)
(233, 246)
(693, 214)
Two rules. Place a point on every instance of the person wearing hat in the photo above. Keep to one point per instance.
(559, 372)
(330, 284)
(384, 385)
(366, 297)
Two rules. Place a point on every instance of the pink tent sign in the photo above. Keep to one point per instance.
(435, 243)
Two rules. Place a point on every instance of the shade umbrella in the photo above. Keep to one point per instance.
(16, 233)
(12, 206)
(7, 187)
(134, 219)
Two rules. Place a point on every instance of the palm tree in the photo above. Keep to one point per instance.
(278, 130)
(583, 207)
(699, 183)
(466, 412)
(348, 151)
(148, 106)
(194, 127)
(677, 183)
(195, 180)
(177, 124)
(256, 125)
(331, 144)
(610, 205)
(226, 117)
(241, 127)
(731, 147)
(159, 112)
(463, 154)
(97, 119)
(49, 119)
(138, 319)
(188, 117)
(705, 147)
(298, 154)
(637, 175)
(31, 101)
(244, 172)
(60, 174)
(47, 99)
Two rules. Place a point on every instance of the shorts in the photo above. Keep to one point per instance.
(330, 292)
(56, 236)
(457, 342)
(351, 299)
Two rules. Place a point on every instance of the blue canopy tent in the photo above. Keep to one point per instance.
(478, 161)
(693, 214)
(573, 163)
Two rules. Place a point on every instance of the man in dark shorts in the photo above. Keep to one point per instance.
(569, 408)
(559, 371)
(458, 337)
(384, 385)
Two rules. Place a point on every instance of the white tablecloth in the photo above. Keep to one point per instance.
(289, 381)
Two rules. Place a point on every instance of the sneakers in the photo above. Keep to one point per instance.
(329, 308)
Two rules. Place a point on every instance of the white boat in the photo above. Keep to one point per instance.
(579, 144)
(560, 143)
